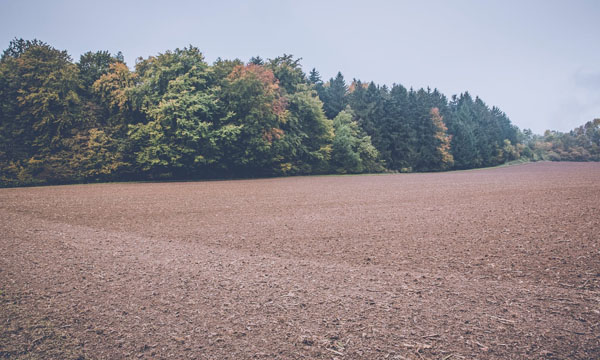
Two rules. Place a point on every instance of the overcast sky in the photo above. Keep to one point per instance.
(539, 61)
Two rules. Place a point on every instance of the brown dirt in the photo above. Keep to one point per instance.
(497, 263)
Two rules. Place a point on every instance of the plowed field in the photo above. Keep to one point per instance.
(495, 263)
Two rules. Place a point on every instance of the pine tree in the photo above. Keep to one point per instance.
(315, 78)
(256, 60)
(334, 99)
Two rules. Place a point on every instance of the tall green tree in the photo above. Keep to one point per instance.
(288, 72)
(462, 126)
(308, 134)
(398, 130)
(39, 93)
(314, 77)
(92, 65)
(352, 150)
(368, 103)
(255, 111)
(173, 94)
(333, 96)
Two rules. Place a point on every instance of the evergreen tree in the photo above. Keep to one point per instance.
(256, 60)
(462, 128)
(334, 96)
(315, 78)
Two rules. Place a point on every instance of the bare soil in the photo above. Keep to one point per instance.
(497, 263)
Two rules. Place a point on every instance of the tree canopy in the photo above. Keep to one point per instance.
(177, 117)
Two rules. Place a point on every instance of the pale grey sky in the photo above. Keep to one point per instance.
(539, 61)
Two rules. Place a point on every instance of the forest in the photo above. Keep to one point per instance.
(177, 117)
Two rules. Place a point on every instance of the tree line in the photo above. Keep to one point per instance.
(177, 117)
(579, 144)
